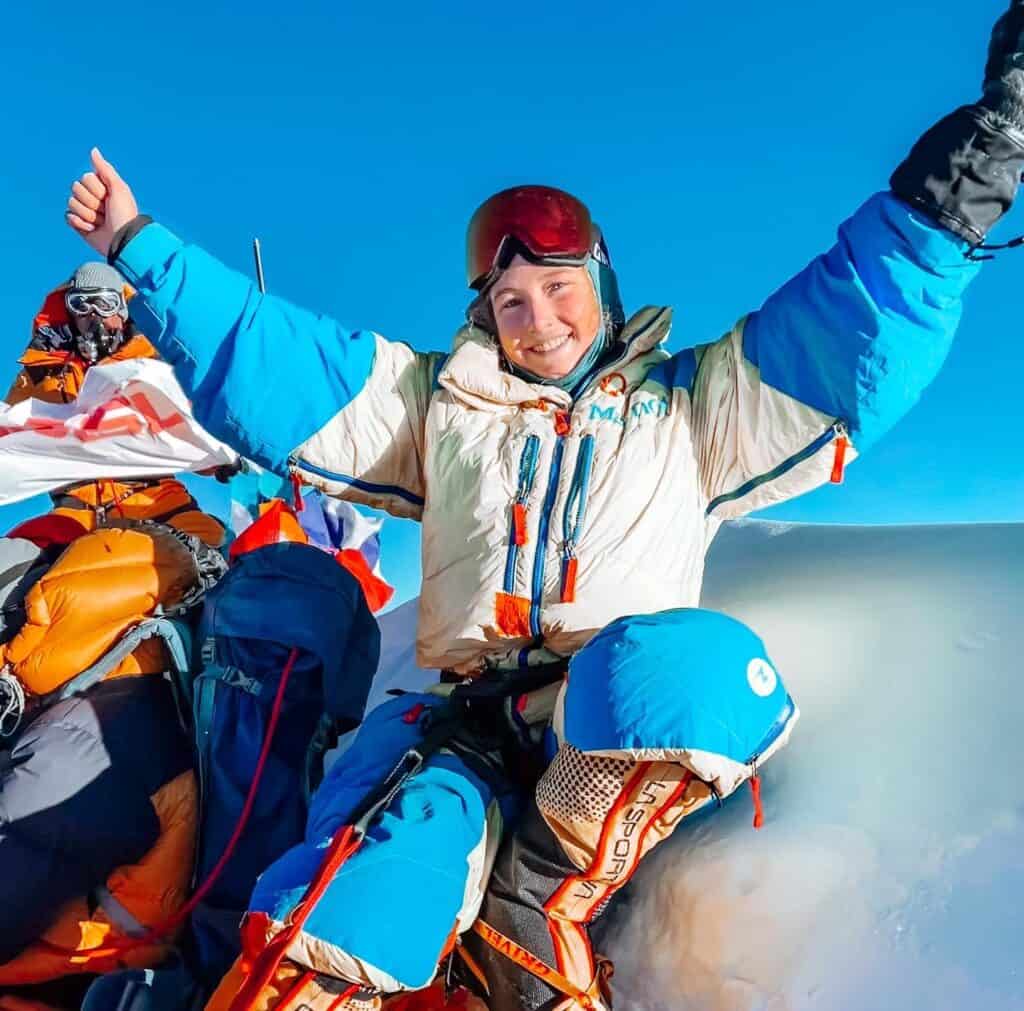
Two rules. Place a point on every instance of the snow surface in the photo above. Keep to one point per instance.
(890, 872)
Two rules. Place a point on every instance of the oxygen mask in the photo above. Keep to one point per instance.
(97, 342)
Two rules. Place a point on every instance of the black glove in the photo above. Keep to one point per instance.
(1004, 72)
(964, 172)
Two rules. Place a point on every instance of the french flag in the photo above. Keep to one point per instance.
(336, 527)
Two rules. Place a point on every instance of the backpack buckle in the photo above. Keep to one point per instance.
(208, 652)
(234, 678)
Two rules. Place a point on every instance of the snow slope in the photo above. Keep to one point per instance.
(890, 873)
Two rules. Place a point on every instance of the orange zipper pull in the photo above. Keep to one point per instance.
(519, 524)
(569, 580)
(840, 460)
(755, 789)
(297, 503)
(563, 422)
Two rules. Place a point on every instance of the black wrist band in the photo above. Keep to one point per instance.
(125, 234)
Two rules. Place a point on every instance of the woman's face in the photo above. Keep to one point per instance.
(547, 317)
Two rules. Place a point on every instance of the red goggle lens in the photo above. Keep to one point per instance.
(548, 223)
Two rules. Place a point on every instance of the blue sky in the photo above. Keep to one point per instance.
(718, 147)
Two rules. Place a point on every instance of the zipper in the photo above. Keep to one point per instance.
(837, 432)
(839, 460)
(572, 525)
(201, 748)
(562, 427)
(772, 735)
(517, 529)
(770, 738)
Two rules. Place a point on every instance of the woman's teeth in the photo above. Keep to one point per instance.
(551, 345)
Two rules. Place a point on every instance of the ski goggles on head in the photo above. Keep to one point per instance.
(541, 224)
(104, 302)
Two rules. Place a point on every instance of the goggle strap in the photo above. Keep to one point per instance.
(511, 246)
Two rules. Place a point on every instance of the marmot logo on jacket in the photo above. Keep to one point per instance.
(656, 407)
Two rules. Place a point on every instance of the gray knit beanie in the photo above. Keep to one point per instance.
(93, 276)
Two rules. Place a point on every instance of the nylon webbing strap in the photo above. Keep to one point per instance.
(161, 628)
(410, 763)
(535, 966)
(118, 914)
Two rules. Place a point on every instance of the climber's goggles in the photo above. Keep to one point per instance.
(104, 302)
(543, 225)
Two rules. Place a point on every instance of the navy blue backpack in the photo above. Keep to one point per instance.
(282, 611)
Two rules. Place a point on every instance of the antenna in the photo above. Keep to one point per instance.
(258, 256)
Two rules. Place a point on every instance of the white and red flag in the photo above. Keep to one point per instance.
(130, 419)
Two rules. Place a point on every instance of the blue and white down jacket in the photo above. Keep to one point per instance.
(545, 519)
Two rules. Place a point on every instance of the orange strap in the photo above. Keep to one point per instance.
(535, 966)
(115, 501)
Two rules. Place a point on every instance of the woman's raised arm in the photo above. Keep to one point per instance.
(263, 375)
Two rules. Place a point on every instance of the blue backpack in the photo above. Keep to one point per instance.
(282, 612)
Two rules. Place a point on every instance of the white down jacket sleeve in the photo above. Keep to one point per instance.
(372, 450)
(830, 362)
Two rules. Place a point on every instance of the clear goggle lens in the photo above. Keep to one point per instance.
(102, 303)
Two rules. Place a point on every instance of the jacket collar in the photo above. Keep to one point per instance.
(473, 371)
(136, 346)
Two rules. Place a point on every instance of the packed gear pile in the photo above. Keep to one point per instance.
(112, 656)
(118, 646)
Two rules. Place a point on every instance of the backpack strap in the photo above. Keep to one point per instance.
(324, 738)
(591, 999)
(119, 915)
(162, 628)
